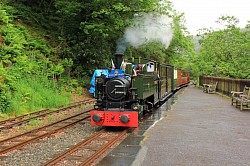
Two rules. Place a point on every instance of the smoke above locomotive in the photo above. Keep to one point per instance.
(146, 27)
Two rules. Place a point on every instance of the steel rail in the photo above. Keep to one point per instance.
(39, 129)
(23, 116)
(20, 144)
(73, 149)
(40, 114)
(103, 149)
(81, 145)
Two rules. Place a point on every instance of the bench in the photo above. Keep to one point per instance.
(210, 88)
(241, 99)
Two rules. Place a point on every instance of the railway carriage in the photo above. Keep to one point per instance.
(127, 93)
(181, 78)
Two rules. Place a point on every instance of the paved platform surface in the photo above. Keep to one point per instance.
(200, 129)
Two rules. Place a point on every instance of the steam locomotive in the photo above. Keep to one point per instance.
(130, 90)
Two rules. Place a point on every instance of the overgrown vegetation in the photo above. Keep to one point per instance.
(224, 53)
(29, 78)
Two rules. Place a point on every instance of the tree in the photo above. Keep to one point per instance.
(182, 47)
(225, 51)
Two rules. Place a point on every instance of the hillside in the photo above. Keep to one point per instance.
(32, 76)
(49, 49)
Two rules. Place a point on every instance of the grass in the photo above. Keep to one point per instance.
(32, 95)
(50, 117)
(34, 122)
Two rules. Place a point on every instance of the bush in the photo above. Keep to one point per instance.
(4, 100)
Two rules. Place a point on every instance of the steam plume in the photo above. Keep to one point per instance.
(146, 28)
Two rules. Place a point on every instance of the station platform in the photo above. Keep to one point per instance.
(198, 129)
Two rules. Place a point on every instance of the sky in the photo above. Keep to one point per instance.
(204, 13)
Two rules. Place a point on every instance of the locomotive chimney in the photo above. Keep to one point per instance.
(118, 59)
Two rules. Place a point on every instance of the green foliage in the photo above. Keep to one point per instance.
(153, 50)
(68, 8)
(28, 79)
(225, 52)
(181, 50)
(33, 94)
(87, 31)
(50, 118)
(6, 88)
(101, 23)
(34, 122)
(4, 98)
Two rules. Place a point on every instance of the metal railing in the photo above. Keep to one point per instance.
(225, 85)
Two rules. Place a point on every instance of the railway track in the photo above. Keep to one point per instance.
(87, 151)
(21, 140)
(24, 119)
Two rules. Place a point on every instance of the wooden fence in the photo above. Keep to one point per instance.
(225, 85)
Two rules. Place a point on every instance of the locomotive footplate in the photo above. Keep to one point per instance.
(114, 118)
